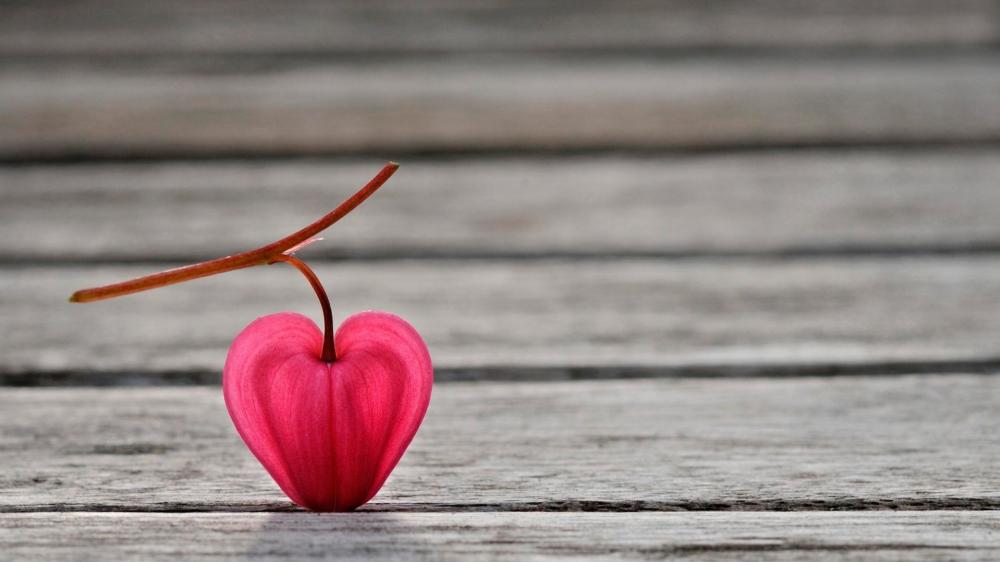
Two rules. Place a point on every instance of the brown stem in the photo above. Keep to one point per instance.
(260, 256)
(329, 354)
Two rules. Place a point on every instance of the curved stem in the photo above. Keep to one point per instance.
(260, 256)
(329, 354)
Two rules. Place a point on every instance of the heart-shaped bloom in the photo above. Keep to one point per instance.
(328, 433)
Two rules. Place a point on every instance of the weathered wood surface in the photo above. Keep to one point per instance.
(562, 314)
(914, 442)
(214, 80)
(775, 203)
(489, 104)
(314, 27)
(503, 536)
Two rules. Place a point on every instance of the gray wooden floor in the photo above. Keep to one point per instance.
(710, 281)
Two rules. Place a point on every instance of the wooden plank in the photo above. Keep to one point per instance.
(857, 443)
(436, 105)
(124, 28)
(562, 314)
(503, 536)
(775, 203)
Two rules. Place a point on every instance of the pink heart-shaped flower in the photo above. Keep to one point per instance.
(328, 433)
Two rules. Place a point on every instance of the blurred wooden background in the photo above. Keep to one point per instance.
(732, 258)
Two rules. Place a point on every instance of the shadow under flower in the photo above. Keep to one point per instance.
(365, 534)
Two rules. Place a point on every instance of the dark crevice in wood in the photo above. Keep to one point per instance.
(694, 549)
(657, 552)
(626, 506)
(553, 506)
(73, 155)
(377, 255)
(500, 373)
(285, 58)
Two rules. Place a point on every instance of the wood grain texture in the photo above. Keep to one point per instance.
(495, 104)
(575, 313)
(775, 203)
(516, 470)
(919, 442)
(224, 26)
(503, 536)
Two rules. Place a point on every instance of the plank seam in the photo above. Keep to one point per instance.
(262, 59)
(553, 506)
(379, 255)
(985, 366)
(77, 155)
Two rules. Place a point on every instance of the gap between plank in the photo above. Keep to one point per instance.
(553, 506)
(378, 255)
(263, 59)
(985, 366)
(410, 153)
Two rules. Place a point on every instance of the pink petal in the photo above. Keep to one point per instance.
(329, 434)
